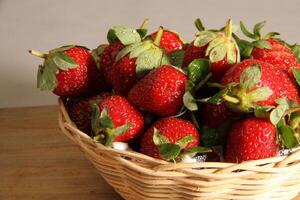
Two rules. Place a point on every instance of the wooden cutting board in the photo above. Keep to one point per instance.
(38, 162)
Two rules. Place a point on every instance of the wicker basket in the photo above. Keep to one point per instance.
(139, 177)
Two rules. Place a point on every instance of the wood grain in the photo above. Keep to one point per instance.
(39, 162)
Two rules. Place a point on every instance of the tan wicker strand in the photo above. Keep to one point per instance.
(138, 177)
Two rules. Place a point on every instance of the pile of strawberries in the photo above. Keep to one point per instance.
(218, 97)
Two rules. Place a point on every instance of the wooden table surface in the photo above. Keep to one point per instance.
(38, 162)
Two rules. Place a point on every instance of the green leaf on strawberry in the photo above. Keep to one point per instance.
(174, 151)
(159, 139)
(189, 101)
(287, 135)
(245, 48)
(169, 151)
(250, 77)
(46, 79)
(176, 57)
(296, 73)
(296, 51)
(63, 61)
(185, 140)
(123, 34)
(197, 70)
(103, 127)
(148, 54)
(277, 114)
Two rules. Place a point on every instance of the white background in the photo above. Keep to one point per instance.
(46, 24)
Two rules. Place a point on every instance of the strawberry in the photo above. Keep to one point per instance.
(69, 71)
(136, 60)
(118, 37)
(214, 115)
(269, 49)
(105, 56)
(251, 139)
(170, 41)
(160, 92)
(170, 138)
(254, 84)
(215, 121)
(115, 120)
(80, 110)
(218, 46)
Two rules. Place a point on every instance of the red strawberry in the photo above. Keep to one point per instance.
(279, 56)
(123, 75)
(80, 110)
(253, 82)
(269, 49)
(193, 52)
(160, 92)
(215, 121)
(214, 115)
(105, 56)
(118, 37)
(170, 41)
(134, 61)
(168, 137)
(114, 119)
(251, 139)
(69, 71)
(219, 47)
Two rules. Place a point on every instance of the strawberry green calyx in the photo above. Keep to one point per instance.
(259, 40)
(286, 117)
(148, 54)
(199, 25)
(221, 44)
(243, 96)
(295, 48)
(103, 127)
(199, 72)
(96, 53)
(54, 61)
(127, 35)
(175, 151)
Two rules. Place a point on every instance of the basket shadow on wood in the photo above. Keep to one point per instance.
(139, 177)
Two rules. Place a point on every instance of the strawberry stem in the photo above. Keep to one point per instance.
(38, 54)
(109, 138)
(199, 25)
(231, 99)
(228, 28)
(201, 83)
(144, 24)
(159, 35)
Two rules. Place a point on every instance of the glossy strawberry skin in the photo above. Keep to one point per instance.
(251, 139)
(214, 116)
(172, 128)
(108, 58)
(275, 78)
(170, 41)
(80, 110)
(218, 69)
(120, 111)
(82, 81)
(160, 92)
(123, 75)
(279, 56)
(192, 52)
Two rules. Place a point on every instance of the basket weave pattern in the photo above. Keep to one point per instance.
(139, 177)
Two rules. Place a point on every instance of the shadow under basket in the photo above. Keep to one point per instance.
(139, 177)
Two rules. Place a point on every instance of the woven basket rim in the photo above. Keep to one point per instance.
(281, 161)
